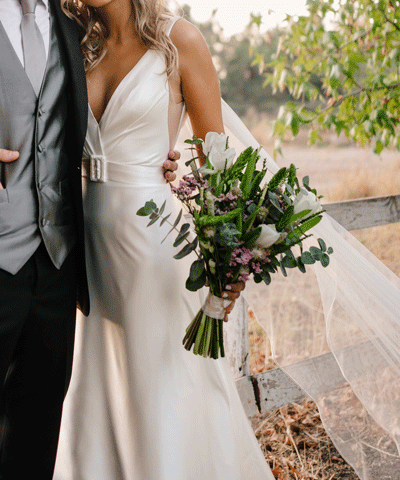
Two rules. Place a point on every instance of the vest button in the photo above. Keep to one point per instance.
(41, 148)
(40, 112)
(44, 221)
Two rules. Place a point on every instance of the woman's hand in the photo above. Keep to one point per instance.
(170, 165)
(232, 292)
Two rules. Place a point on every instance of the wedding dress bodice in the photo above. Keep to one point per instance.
(132, 129)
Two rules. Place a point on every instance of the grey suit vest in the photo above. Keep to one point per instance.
(36, 204)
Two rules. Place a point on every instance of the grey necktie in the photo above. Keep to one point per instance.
(33, 45)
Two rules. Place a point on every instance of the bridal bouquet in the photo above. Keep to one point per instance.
(244, 226)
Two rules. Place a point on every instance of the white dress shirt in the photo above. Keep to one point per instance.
(11, 16)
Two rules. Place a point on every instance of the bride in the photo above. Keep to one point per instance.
(141, 407)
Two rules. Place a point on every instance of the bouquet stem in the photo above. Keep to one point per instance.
(205, 332)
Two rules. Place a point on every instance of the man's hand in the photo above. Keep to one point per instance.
(232, 292)
(170, 165)
(7, 156)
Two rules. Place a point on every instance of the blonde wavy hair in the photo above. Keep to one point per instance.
(149, 18)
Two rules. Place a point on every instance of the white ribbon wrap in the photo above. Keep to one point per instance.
(214, 307)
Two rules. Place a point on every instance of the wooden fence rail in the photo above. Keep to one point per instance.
(272, 389)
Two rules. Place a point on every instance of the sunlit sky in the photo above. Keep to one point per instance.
(233, 15)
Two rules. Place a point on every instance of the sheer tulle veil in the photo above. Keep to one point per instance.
(351, 309)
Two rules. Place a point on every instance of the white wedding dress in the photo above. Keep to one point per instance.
(141, 407)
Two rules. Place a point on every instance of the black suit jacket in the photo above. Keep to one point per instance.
(76, 132)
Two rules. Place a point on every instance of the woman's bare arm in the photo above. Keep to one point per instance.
(199, 79)
(201, 93)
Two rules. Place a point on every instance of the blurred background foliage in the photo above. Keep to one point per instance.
(336, 68)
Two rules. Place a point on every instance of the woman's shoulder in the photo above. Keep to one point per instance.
(186, 36)
(190, 43)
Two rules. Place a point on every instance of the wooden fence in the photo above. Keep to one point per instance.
(272, 389)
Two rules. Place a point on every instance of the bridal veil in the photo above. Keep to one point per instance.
(351, 309)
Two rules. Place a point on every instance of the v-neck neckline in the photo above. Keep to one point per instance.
(99, 122)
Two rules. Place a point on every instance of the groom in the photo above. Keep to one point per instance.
(43, 119)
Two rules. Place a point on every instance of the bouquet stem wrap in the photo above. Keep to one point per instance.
(205, 332)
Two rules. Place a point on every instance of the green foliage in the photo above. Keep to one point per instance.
(226, 233)
(278, 179)
(247, 180)
(340, 64)
(239, 74)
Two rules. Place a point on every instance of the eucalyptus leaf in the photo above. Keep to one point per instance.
(307, 258)
(266, 277)
(177, 220)
(162, 208)
(148, 208)
(196, 270)
(180, 238)
(324, 260)
(187, 249)
(165, 219)
(322, 244)
(194, 285)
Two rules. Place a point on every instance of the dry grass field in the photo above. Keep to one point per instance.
(293, 438)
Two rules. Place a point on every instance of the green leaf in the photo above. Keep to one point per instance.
(285, 219)
(154, 217)
(162, 208)
(283, 270)
(195, 285)
(240, 163)
(147, 210)
(322, 244)
(300, 265)
(180, 238)
(250, 237)
(304, 227)
(277, 180)
(177, 220)
(307, 258)
(165, 219)
(324, 260)
(245, 185)
(330, 250)
(187, 249)
(316, 253)
(266, 277)
(226, 233)
(289, 261)
(273, 198)
(378, 147)
(196, 270)
(255, 186)
(299, 216)
(210, 220)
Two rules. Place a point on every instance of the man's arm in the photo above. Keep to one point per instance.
(7, 156)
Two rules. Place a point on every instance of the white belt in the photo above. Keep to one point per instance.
(97, 169)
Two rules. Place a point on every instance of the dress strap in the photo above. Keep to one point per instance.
(170, 24)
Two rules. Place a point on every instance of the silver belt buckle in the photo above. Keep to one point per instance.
(97, 169)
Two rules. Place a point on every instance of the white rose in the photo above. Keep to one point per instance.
(268, 236)
(306, 202)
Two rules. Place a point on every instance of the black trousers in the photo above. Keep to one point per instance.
(37, 324)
